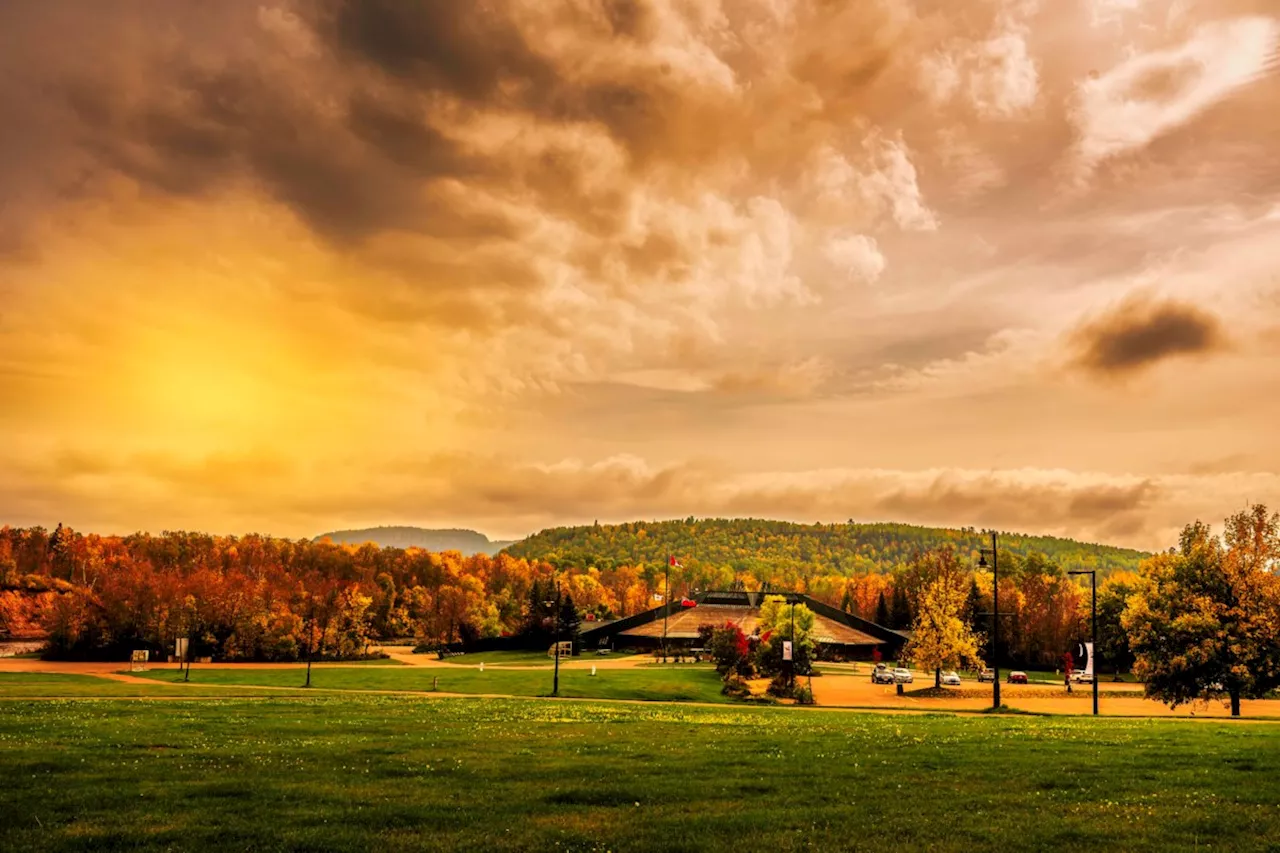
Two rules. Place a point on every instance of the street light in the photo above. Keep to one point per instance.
(1093, 632)
(995, 615)
(555, 619)
(793, 645)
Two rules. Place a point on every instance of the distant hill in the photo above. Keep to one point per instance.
(773, 548)
(467, 541)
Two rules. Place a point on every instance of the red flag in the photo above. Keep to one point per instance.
(674, 563)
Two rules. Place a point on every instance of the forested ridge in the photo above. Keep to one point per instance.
(785, 554)
(467, 542)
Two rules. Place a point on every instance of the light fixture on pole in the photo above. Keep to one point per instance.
(995, 615)
(555, 648)
(1093, 632)
(793, 645)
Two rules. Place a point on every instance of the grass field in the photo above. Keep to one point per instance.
(524, 658)
(669, 683)
(329, 772)
(15, 685)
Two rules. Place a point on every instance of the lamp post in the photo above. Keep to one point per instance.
(793, 645)
(666, 605)
(1093, 630)
(555, 617)
(995, 615)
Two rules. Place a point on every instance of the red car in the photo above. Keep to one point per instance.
(1017, 677)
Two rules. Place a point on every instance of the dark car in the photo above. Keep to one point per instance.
(1017, 677)
(881, 675)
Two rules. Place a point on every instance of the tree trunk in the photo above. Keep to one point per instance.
(1235, 702)
(937, 677)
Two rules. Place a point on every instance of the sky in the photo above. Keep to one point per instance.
(290, 267)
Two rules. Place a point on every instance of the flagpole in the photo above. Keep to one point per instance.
(666, 607)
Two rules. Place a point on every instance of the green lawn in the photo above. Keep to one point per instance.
(340, 773)
(372, 662)
(18, 685)
(1056, 677)
(670, 683)
(505, 658)
(524, 658)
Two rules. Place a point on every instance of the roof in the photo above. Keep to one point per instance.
(684, 624)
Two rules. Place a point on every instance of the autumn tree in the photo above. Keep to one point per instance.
(318, 600)
(1206, 622)
(780, 622)
(940, 635)
(730, 650)
(1112, 643)
(973, 603)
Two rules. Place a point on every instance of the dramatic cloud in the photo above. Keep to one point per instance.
(303, 264)
(507, 496)
(1152, 93)
(997, 76)
(1142, 331)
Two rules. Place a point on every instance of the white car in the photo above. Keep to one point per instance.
(951, 678)
(902, 675)
(1082, 677)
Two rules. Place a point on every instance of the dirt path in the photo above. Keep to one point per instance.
(574, 663)
(1119, 699)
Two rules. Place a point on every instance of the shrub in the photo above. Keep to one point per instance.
(731, 651)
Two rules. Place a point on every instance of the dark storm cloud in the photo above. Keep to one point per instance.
(627, 17)
(363, 170)
(467, 49)
(474, 52)
(358, 137)
(1141, 332)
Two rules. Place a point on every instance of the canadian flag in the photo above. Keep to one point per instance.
(674, 563)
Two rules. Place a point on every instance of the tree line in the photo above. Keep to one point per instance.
(263, 598)
(1198, 622)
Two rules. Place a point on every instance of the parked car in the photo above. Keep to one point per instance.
(1017, 677)
(902, 675)
(881, 675)
(1082, 677)
(951, 678)
(987, 675)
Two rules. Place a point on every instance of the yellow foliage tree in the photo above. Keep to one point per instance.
(940, 636)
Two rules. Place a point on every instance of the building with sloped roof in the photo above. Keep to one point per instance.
(836, 632)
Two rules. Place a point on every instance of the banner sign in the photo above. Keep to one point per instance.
(1088, 665)
(786, 650)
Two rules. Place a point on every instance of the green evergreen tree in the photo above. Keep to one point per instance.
(569, 619)
(899, 609)
(847, 604)
(973, 604)
(882, 611)
(536, 621)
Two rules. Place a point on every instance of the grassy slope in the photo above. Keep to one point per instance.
(392, 773)
(672, 683)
